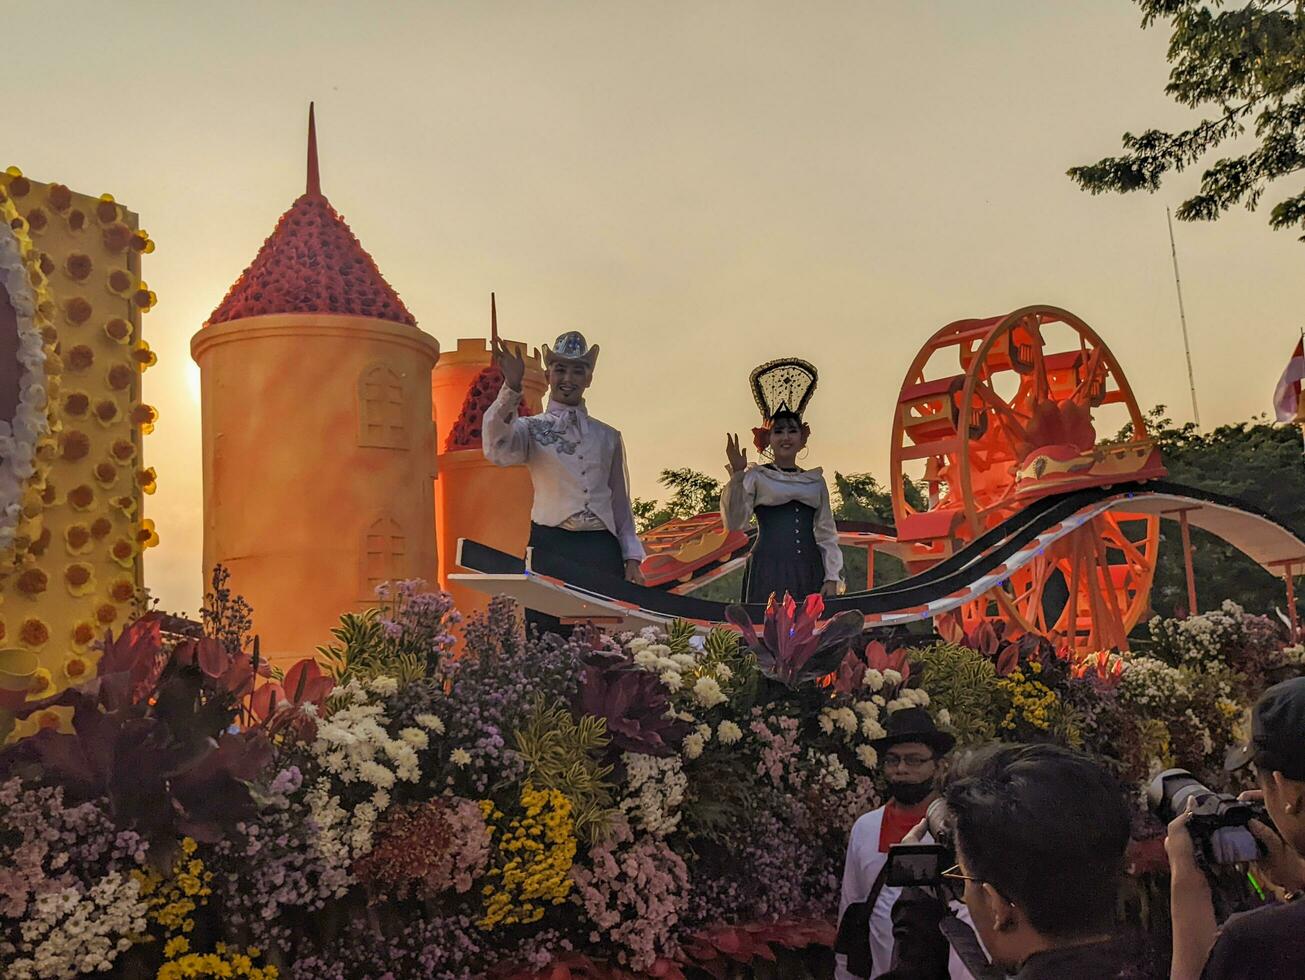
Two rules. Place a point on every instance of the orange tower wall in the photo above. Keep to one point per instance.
(474, 498)
(319, 456)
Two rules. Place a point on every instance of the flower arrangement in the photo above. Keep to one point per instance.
(661, 803)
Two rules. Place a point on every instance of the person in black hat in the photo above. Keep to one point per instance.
(1269, 942)
(911, 757)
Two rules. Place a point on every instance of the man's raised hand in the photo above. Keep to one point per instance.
(512, 364)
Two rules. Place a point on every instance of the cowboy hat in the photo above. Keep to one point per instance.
(571, 346)
(914, 725)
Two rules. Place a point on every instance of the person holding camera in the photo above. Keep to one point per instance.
(1040, 834)
(911, 755)
(1268, 942)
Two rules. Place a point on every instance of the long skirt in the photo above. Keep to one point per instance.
(785, 557)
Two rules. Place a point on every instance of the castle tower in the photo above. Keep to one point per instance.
(474, 498)
(319, 444)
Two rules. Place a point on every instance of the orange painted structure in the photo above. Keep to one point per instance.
(1009, 419)
(319, 443)
(473, 497)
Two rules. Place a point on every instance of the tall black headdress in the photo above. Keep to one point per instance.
(782, 387)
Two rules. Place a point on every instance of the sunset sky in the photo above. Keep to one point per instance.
(696, 186)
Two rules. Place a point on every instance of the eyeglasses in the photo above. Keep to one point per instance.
(910, 761)
(955, 873)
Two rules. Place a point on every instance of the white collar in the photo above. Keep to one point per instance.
(564, 415)
(557, 408)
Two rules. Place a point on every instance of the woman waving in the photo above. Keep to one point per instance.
(797, 543)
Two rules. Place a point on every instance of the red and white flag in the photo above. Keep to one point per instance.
(1286, 397)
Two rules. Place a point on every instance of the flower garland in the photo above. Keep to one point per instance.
(22, 280)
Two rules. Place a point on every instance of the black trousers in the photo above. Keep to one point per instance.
(598, 550)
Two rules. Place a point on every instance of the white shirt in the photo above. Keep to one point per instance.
(765, 486)
(576, 463)
(862, 867)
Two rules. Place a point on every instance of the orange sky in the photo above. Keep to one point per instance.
(696, 186)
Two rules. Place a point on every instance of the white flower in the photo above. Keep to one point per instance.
(645, 658)
(693, 745)
(728, 732)
(867, 756)
(384, 686)
(683, 661)
(835, 773)
(430, 721)
(873, 679)
(826, 722)
(723, 672)
(415, 737)
(660, 650)
(672, 680)
(845, 718)
(897, 704)
(892, 677)
(944, 717)
(871, 729)
(704, 731)
(656, 788)
(460, 757)
(707, 692)
(639, 644)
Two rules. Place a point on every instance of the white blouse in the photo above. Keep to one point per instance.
(765, 486)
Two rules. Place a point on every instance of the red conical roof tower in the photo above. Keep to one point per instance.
(312, 263)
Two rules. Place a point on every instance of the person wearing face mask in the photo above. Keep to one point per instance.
(1040, 834)
(1268, 942)
(911, 756)
(797, 550)
(582, 508)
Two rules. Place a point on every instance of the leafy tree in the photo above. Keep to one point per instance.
(692, 493)
(1252, 461)
(1241, 66)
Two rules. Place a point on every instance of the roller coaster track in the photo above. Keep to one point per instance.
(554, 585)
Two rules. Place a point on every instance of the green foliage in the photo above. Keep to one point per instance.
(860, 497)
(964, 682)
(1240, 65)
(563, 754)
(362, 651)
(692, 493)
(1252, 461)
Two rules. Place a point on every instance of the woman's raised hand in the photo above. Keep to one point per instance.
(736, 457)
(512, 364)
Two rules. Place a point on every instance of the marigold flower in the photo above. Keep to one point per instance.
(106, 411)
(78, 265)
(77, 310)
(118, 330)
(100, 528)
(106, 474)
(76, 219)
(37, 220)
(34, 632)
(144, 416)
(106, 210)
(116, 237)
(123, 451)
(76, 403)
(81, 497)
(60, 197)
(33, 582)
(123, 552)
(143, 356)
(120, 377)
(83, 634)
(79, 577)
(124, 505)
(147, 537)
(74, 445)
(106, 613)
(77, 668)
(41, 685)
(80, 357)
(122, 590)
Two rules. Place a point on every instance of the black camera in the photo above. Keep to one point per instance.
(922, 865)
(1218, 821)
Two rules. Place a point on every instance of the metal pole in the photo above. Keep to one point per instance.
(1187, 562)
(1182, 318)
(1291, 602)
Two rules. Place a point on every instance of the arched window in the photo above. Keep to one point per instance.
(380, 408)
(385, 555)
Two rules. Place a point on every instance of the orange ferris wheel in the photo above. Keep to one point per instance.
(998, 412)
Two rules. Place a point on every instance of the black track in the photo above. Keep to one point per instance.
(946, 577)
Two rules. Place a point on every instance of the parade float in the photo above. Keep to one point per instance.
(365, 776)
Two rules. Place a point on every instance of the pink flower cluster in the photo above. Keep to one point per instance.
(426, 848)
(779, 747)
(634, 892)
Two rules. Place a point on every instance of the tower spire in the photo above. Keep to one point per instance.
(314, 178)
